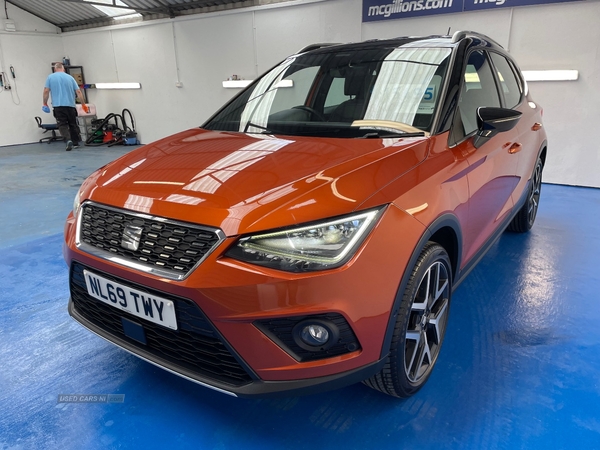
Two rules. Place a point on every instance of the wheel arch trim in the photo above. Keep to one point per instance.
(543, 151)
(447, 220)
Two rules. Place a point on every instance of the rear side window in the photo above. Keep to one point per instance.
(508, 81)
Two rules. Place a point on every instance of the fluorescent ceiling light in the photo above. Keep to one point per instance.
(236, 84)
(127, 16)
(551, 75)
(285, 83)
(117, 85)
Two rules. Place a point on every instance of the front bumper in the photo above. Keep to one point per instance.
(253, 388)
(232, 297)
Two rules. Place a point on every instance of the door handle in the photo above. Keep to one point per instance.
(515, 148)
(536, 126)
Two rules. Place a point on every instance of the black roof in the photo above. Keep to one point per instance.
(475, 39)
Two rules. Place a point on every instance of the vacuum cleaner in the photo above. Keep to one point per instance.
(113, 130)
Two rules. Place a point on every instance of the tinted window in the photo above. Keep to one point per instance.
(508, 81)
(479, 89)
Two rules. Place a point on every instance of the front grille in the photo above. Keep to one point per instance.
(168, 248)
(280, 330)
(196, 346)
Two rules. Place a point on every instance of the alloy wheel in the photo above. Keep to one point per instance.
(427, 322)
(534, 196)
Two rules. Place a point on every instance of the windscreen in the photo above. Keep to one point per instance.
(342, 94)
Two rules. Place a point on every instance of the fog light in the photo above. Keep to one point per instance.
(316, 335)
(310, 338)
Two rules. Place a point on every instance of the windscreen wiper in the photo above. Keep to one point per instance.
(388, 134)
(250, 124)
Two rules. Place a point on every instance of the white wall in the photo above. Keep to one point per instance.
(31, 51)
(283, 31)
(201, 51)
(571, 109)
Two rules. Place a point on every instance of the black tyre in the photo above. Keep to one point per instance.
(420, 325)
(525, 218)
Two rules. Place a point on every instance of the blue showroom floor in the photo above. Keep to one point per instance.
(520, 367)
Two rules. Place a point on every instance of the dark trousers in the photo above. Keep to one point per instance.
(66, 119)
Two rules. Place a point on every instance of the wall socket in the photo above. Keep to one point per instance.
(9, 25)
(179, 84)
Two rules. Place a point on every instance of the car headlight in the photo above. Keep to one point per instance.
(76, 203)
(318, 246)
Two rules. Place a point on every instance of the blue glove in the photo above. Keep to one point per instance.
(46, 109)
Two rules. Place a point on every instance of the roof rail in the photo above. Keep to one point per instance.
(458, 35)
(310, 47)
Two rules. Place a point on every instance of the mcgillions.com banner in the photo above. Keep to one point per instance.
(398, 9)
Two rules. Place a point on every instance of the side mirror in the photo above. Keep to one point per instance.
(491, 121)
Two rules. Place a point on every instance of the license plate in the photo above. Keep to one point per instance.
(139, 303)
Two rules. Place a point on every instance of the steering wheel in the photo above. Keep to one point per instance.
(312, 112)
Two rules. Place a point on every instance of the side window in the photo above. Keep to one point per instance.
(508, 81)
(479, 89)
(336, 95)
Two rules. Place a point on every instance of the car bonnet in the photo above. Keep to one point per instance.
(241, 182)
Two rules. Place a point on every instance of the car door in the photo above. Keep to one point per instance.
(526, 146)
(492, 168)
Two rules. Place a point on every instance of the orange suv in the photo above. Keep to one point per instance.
(311, 233)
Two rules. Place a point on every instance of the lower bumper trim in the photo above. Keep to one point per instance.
(256, 388)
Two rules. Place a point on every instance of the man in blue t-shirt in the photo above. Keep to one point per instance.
(63, 89)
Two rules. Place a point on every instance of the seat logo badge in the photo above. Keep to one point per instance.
(131, 237)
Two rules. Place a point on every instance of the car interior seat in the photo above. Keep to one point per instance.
(48, 127)
(355, 86)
